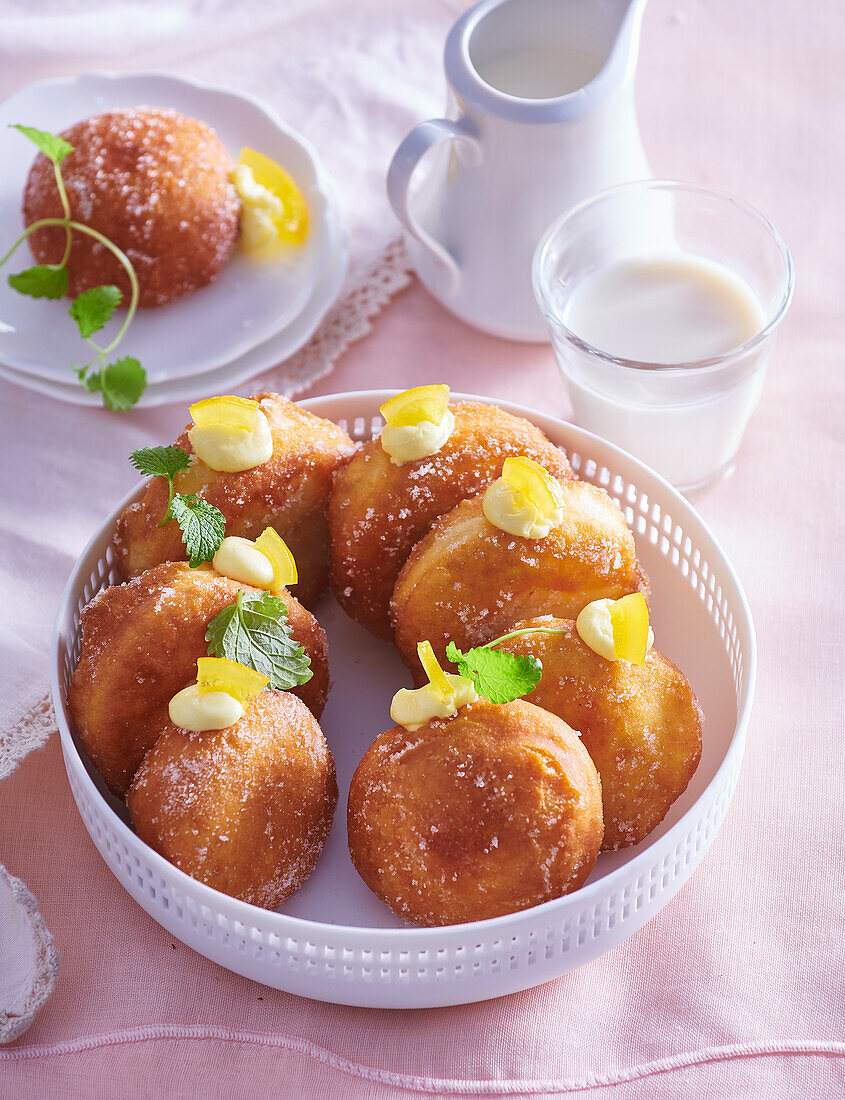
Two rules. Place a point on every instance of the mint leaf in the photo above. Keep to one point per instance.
(499, 677)
(92, 308)
(122, 383)
(43, 281)
(203, 527)
(255, 631)
(53, 147)
(160, 461)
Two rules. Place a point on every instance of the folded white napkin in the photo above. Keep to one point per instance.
(29, 961)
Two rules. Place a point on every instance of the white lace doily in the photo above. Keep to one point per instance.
(29, 961)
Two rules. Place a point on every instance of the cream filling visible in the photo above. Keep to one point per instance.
(413, 441)
(508, 509)
(190, 709)
(260, 212)
(230, 450)
(241, 560)
(414, 709)
(595, 628)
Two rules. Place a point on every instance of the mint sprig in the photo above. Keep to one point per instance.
(54, 148)
(42, 281)
(203, 526)
(92, 308)
(501, 677)
(254, 631)
(120, 382)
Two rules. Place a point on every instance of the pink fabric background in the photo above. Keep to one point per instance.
(736, 988)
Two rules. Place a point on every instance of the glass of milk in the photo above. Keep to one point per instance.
(663, 300)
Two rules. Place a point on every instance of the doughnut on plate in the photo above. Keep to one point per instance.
(334, 940)
(247, 304)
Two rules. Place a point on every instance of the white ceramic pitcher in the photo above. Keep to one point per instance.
(540, 116)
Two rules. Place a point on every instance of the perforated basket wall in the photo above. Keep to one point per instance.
(411, 967)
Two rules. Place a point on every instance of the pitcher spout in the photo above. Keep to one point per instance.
(543, 60)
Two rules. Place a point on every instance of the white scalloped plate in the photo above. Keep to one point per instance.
(334, 940)
(245, 306)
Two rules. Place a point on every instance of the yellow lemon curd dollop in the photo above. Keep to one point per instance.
(265, 563)
(230, 434)
(526, 500)
(439, 698)
(217, 699)
(417, 423)
(274, 212)
(617, 629)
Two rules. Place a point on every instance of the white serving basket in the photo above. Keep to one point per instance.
(334, 941)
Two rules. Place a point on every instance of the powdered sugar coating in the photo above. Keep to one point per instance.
(468, 581)
(246, 809)
(378, 511)
(488, 812)
(153, 181)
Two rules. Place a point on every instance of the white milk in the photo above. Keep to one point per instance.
(542, 73)
(664, 309)
(671, 309)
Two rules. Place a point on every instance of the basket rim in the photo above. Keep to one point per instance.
(300, 928)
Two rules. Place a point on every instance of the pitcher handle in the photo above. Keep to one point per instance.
(402, 167)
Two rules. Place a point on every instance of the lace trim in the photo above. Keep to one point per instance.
(46, 964)
(28, 734)
(347, 322)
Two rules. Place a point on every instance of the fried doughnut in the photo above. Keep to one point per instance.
(140, 644)
(378, 511)
(246, 809)
(156, 183)
(469, 582)
(489, 812)
(287, 492)
(641, 724)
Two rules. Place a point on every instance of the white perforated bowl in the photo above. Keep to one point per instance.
(335, 941)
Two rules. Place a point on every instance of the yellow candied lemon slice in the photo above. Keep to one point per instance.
(225, 412)
(275, 549)
(535, 483)
(438, 679)
(289, 214)
(629, 617)
(411, 406)
(220, 674)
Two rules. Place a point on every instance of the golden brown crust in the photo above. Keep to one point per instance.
(247, 809)
(156, 183)
(486, 813)
(378, 511)
(288, 492)
(140, 644)
(469, 582)
(641, 724)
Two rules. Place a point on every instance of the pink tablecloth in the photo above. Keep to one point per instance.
(736, 989)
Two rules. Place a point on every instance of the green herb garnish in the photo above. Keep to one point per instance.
(255, 631)
(501, 677)
(123, 381)
(161, 462)
(203, 526)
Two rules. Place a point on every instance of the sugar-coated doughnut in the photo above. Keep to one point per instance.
(288, 492)
(488, 812)
(641, 724)
(378, 510)
(468, 581)
(153, 181)
(247, 809)
(140, 644)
